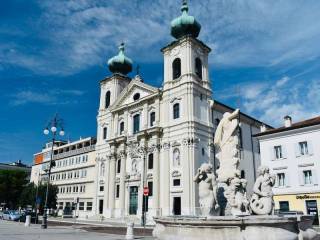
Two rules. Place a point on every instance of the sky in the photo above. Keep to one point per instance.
(265, 59)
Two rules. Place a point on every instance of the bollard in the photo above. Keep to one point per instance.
(129, 235)
(28, 220)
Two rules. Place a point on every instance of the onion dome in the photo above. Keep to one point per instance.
(120, 63)
(185, 24)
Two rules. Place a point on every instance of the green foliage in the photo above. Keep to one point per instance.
(16, 192)
(12, 183)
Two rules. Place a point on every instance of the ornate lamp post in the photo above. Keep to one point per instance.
(55, 125)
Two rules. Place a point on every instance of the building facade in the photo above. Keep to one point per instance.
(74, 175)
(156, 138)
(292, 153)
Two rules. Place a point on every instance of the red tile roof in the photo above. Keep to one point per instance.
(302, 124)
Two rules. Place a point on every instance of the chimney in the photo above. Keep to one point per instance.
(263, 128)
(287, 121)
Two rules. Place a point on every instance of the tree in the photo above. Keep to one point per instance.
(32, 192)
(12, 183)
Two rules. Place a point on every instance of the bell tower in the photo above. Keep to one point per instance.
(186, 58)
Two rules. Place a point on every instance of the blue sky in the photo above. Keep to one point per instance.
(265, 59)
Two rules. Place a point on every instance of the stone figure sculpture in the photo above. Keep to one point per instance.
(261, 202)
(207, 190)
(226, 141)
(236, 195)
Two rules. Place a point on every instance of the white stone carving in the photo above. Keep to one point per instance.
(176, 157)
(261, 202)
(207, 190)
(226, 141)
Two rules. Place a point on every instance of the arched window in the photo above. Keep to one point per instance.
(107, 103)
(198, 65)
(136, 123)
(176, 157)
(176, 68)
(176, 110)
(121, 127)
(243, 174)
(102, 169)
(150, 161)
(119, 166)
(136, 96)
(152, 118)
(105, 132)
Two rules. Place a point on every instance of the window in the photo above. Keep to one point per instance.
(217, 121)
(176, 68)
(243, 174)
(307, 177)
(176, 111)
(81, 206)
(121, 127)
(117, 191)
(240, 138)
(105, 131)
(89, 206)
(281, 179)
(118, 165)
(284, 206)
(198, 65)
(202, 151)
(101, 189)
(136, 123)
(152, 118)
(150, 186)
(278, 152)
(136, 96)
(176, 182)
(150, 161)
(107, 103)
(303, 146)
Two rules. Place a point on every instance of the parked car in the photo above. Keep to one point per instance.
(11, 215)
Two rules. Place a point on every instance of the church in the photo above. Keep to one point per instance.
(152, 140)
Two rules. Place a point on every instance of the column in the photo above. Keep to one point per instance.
(122, 182)
(112, 179)
(165, 180)
(156, 180)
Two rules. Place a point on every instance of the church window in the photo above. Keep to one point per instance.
(121, 127)
(176, 111)
(198, 64)
(176, 68)
(152, 118)
(217, 121)
(240, 138)
(176, 157)
(117, 191)
(203, 151)
(150, 161)
(105, 131)
(118, 165)
(136, 123)
(136, 96)
(107, 103)
(150, 187)
(243, 174)
(176, 182)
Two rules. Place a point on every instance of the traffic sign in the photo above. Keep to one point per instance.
(145, 191)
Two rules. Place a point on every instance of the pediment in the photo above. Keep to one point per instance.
(134, 87)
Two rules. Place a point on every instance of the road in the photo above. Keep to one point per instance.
(17, 231)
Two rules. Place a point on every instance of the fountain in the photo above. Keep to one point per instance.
(226, 212)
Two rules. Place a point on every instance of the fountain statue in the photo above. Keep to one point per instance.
(226, 213)
(207, 190)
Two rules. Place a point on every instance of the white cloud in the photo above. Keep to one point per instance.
(83, 33)
(53, 97)
(286, 96)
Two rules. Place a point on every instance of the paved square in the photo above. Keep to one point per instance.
(17, 231)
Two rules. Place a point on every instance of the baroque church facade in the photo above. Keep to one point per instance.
(156, 138)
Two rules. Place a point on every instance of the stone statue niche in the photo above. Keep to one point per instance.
(261, 202)
(207, 190)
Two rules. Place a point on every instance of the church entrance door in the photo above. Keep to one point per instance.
(133, 204)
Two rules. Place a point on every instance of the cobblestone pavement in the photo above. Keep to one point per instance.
(17, 231)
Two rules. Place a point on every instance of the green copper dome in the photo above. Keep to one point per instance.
(185, 24)
(120, 63)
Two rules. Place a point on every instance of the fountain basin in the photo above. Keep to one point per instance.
(234, 228)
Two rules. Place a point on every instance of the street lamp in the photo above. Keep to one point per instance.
(54, 125)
